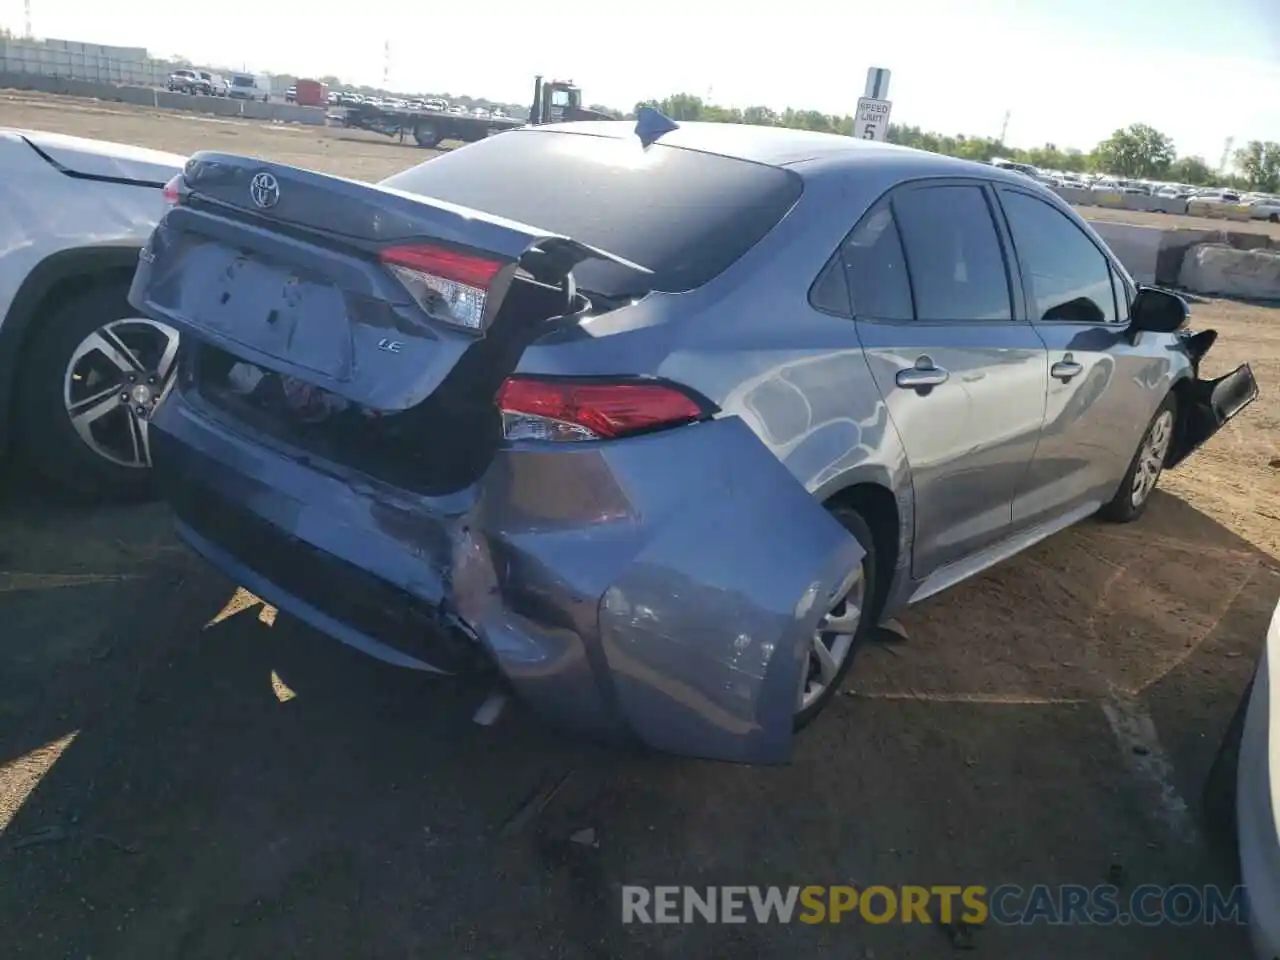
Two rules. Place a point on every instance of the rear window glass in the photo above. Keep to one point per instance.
(685, 215)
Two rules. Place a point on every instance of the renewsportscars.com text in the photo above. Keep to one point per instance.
(1007, 905)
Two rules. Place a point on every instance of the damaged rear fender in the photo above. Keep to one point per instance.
(674, 602)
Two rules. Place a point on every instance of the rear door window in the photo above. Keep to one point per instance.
(684, 214)
(953, 253)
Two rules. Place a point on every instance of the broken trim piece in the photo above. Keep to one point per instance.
(1206, 406)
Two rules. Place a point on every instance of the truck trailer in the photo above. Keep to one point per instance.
(554, 101)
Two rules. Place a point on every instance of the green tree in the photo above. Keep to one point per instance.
(1192, 170)
(1259, 163)
(1139, 150)
(678, 106)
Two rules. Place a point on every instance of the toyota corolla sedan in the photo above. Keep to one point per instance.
(658, 421)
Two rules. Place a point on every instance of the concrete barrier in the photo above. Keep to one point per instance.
(163, 99)
(1219, 211)
(1217, 268)
(1138, 201)
(1137, 247)
(1115, 200)
(1155, 254)
(1074, 196)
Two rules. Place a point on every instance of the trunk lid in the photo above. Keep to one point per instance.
(280, 266)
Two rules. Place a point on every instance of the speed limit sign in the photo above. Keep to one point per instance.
(872, 120)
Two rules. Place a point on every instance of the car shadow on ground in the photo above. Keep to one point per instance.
(185, 784)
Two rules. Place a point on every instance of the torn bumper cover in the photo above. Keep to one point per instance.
(1206, 406)
(662, 588)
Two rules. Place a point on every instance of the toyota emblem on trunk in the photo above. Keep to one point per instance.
(264, 190)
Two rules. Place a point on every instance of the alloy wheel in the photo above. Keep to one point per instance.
(1151, 458)
(112, 383)
(832, 642)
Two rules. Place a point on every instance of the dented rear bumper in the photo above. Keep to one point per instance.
(661, 588)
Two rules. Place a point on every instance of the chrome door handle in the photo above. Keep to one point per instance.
(923, 374)
(1064, 370)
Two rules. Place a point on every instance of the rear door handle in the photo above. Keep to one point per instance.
(1064, 370)
(923, 374)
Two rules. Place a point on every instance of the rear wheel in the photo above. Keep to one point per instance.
(845, 626)
(1131, 499)
(427, 135)
(90, 374)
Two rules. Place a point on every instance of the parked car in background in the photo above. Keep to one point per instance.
(1264, 208)
(662, 442)
(80, 370)
(186, 81)
(214, 84)
(291, 94)
(245, 86)
(1216, 196)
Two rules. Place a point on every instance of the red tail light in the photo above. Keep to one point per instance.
(449, 285)
(170, 192)
(565, 409)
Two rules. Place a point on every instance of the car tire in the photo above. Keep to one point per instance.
(427, 135)
(1130, 500)
(59, 366)
(852, 521)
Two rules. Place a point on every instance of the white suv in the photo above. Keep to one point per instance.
(79, 370)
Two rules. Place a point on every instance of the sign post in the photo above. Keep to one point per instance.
(871, 122)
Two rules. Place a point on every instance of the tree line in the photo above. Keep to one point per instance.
(1138, 151)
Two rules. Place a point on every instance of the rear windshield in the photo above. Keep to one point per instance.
(683, 214)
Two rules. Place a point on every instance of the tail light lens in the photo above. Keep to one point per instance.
(171, 191)
(534, 408)
(448, 285)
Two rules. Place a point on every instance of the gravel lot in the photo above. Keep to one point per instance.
(216, 781)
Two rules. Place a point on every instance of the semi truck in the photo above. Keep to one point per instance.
(554, 101)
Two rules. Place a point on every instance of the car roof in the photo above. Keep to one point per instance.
(807, 151)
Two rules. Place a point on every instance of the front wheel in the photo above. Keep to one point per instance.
(846, 626)
(1131, 499)
(90, 375)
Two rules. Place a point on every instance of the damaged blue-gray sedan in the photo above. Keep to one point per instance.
(658, 421)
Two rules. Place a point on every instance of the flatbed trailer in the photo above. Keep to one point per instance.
(553, 102)
(427, 127)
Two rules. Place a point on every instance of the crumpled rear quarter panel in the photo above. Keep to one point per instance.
(669, 581)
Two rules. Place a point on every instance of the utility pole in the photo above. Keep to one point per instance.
(386, 66)
(1004, 127)
(26, 12)
(1226, 154)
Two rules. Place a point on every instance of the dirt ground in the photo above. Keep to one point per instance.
(184, 774)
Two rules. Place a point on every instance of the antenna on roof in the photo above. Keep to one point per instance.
(652, 124)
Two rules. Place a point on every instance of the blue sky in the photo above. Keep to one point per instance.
(1070, 71)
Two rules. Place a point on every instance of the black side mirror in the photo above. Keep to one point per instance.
(1156, 310)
